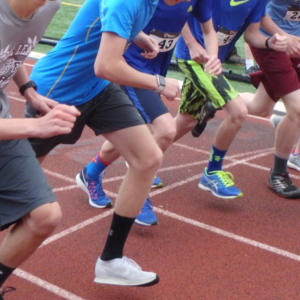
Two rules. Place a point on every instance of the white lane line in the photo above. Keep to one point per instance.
(249, 156)
(71, 187)
(192, 222)
(229, 235)
(46, 285)
(59, 176)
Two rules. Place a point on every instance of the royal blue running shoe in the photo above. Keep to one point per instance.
(220, 183)
(157, 183)
(94, 190)
(146, 216)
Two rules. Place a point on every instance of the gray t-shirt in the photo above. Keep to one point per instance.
(17, 39)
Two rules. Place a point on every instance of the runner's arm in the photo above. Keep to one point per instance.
(111, 65)
(293, 42)
(213, 64)
(210, 38)
(60, 120)
(269, 26)
(148, 44)
(36, 101)
(256, 39)
(197, 52)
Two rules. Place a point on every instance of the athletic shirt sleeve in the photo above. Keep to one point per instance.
(118, 16)
(202, 11)
(258, 12)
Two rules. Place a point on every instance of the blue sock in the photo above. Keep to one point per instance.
(95, 167)
(215, 160)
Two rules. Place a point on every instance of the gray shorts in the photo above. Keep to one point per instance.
(23, 184)
(109, 111)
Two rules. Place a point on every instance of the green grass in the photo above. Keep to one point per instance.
(66, 13)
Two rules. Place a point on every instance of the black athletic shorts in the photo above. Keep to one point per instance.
(109, 111)
(23, 184)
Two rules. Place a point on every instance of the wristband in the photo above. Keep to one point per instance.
(267, 43)
(160, 82)
(27, 85)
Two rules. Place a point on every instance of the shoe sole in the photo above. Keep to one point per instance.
(145, 224)
(85, 189)
(155, 186)
(205, 188)
(123, 282)
(290, 165)
(295, 197)
(286, 196)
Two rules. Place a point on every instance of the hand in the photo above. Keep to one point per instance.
(213, 65)
(171, 90)
(293, 46)
(60, 120)
(278, 42)
(40, 103)
(147, 43)
(198, 53)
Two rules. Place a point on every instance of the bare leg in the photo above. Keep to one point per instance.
(163, 129)
(184, 124)
(26, 236)
(229, 127)
(288, 129)
(259, 104)
(138, 147)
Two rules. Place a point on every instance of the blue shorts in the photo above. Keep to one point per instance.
(148, 103)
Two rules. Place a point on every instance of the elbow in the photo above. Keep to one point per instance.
(246, 38)
(102, 70)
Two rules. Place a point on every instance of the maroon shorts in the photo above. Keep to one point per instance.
(279, 73)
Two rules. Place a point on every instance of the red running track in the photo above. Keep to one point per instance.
(204, 248)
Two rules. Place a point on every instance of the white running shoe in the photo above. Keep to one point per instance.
(123, 271)
(294, 162)
(275, 120)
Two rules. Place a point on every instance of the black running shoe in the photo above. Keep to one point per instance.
(6, 290)
(283, 186)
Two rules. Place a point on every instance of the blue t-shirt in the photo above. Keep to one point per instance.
(165, 26)
(230, 19)
(66, 74)
(285, 14)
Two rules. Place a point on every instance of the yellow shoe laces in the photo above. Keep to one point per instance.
(225, 177)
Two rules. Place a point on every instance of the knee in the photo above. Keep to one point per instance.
(148, 162)
(238, 116)
(166, 136)
(294, 116)
(44, 219)
(156, 160)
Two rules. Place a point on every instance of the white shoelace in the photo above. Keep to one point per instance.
(131, 262)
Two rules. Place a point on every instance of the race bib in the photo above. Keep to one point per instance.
(225, 36)
(166, 41)
(293, 14)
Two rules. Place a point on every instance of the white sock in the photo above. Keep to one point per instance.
(249, 63)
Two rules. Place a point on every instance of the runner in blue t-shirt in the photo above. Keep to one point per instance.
(76, 72)
(231, 18)
(165, 27)
(279, 78)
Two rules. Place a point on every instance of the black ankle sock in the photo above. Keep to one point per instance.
(4, 273)
(119, 230)
(280, 165)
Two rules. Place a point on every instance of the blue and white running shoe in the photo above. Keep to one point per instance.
(220, 183)
(157, 183)
(146, 216)
(94, 190)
